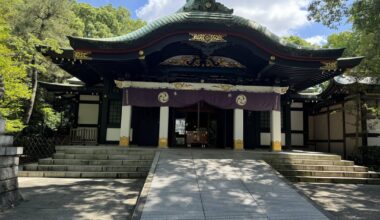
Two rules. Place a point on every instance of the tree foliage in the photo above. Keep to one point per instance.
(365, 18)
(105, 21)
(297, 41)
(27, 23)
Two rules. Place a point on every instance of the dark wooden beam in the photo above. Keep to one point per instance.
(265, 70)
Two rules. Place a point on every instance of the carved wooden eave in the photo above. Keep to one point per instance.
(201, 86)
(196, 61)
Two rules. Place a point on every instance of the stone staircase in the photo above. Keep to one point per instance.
(92, 162)
(321, 168)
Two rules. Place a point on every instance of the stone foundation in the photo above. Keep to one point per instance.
(9, 159)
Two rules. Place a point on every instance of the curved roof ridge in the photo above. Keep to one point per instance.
(199, 16)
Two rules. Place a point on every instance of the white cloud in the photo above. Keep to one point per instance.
(317, 40)
(279, 16)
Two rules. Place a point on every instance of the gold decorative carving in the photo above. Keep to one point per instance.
(208, 38)
(163, 143)
(82, 55)
(124, 141)
(281, 90)
(329, 65)
(182, 86)
(119, 84)
(238, 144)
(276, 146)
(224, 87)
(211, 61)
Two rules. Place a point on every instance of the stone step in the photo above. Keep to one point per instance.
(50, 161)
(374, 174)
(301, 156)
(109, 151)
(85, 168)
(345, 180)
(72, 174)
(324, 173)
(103, 156)
(311, 162)
(101, 147)
(320, 167)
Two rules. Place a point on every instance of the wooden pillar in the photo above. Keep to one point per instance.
(164, 127)
(104, 111)
(275, 121)
(238, 129)
(125, 128)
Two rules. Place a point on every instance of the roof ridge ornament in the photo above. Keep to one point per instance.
(205, 6)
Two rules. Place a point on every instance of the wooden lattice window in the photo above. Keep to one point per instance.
(114, 114)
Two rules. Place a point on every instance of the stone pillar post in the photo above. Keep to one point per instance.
(125, 129)
(9, 159)
(238, 129)
(275, 122)
(164, 127)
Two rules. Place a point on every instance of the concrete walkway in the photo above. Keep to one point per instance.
(195, 184)
(55, 199)
(346, 201)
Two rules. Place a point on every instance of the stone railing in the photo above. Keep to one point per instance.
(9, 159)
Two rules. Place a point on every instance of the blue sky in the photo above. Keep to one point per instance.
(281, 17)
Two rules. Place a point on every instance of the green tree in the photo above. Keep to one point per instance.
(15, 79)
(41, 22)
(105, 21)
(365, 18)
(346, 39)
(27, 23)
(297, 41)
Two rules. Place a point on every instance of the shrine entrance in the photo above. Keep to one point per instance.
(201, 126)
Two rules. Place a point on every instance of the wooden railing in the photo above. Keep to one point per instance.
(84, 136)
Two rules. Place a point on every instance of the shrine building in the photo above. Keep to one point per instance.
(201, 77)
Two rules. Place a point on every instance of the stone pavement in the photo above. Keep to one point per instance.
(49, 198)
(195, 184)
(346, 201)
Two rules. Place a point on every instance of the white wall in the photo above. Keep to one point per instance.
(297, 140)
(89, 97)
(88, 114)
(297, 120)
(113, 134)
(297, 105)
(373, 141)
(336, 125)
(320, 127)
(351, 115)
(297, 124)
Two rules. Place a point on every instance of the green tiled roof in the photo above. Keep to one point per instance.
(218, 19)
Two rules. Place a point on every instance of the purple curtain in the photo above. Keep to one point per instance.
(183, 98)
